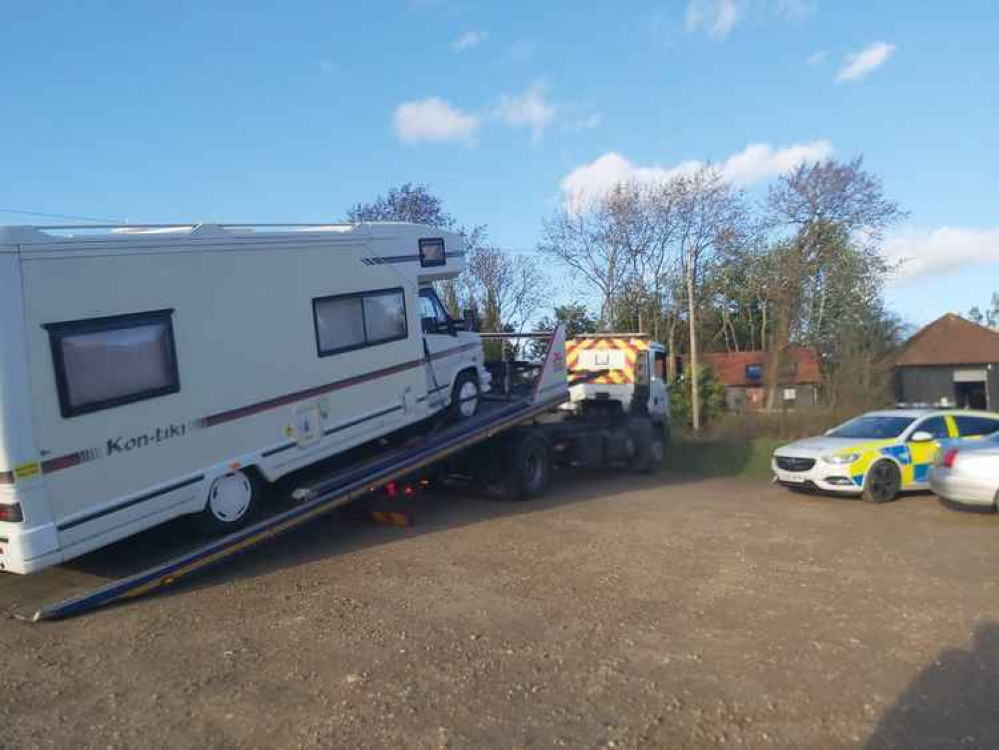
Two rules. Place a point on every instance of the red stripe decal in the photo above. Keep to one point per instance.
(290, 398)
(75, 459)
(62, 462)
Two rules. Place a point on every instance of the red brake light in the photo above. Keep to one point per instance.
(11, 513)
(949, 458)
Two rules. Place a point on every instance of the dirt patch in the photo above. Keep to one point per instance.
(617, 612)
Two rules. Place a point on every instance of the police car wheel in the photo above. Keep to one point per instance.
(883, 483)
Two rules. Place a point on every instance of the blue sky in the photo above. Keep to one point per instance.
(233, 111)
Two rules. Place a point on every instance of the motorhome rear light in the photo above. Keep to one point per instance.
(11, 513)
(391, 489)
(949, 458)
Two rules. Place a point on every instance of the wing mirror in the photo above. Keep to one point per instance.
(471, 320)
(921, 436)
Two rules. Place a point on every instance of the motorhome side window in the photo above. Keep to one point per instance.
(432, 314)
(102, 363)
(352, 321)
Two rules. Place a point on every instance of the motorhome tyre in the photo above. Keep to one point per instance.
(231, 502)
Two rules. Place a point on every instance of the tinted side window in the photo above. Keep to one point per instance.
(936, 426)
(106, 362)
(974, 426)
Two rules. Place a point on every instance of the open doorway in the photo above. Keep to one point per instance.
(971, 395)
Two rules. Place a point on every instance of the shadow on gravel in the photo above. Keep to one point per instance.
(954, 702)
(341, 532)
(347, 530)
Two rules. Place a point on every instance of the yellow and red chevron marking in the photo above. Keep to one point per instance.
(630, 346)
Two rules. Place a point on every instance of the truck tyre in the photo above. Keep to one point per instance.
(883, 482)
(648, 446)
(232, 503)
(528, 467)
(465, 396)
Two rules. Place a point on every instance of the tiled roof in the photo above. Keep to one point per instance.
(950, 340)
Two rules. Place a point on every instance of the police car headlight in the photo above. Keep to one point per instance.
(840, 460)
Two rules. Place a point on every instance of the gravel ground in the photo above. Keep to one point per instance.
(617, 612)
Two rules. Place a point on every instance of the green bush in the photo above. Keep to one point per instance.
(711, 396)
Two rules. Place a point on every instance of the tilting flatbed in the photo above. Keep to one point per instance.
(513, 441)
(165, 555)
(124, 571)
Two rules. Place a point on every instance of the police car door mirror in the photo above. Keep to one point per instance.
(471, 320)
(921, 436)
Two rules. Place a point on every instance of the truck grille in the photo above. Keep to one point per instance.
(787, 463)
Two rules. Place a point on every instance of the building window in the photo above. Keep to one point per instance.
(106, 362)
(432, 252)
(352, 321)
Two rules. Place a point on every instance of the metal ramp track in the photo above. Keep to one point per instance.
(72, 589)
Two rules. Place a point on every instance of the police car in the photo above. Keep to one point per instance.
(879, 454)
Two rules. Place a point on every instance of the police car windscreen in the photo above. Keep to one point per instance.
(873, 428)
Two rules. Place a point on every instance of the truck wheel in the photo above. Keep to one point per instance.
(528, 467)
(882, 483)
(232, 501)
(465, 396)
(648, 446)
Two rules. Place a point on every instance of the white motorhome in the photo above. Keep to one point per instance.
(150, 373)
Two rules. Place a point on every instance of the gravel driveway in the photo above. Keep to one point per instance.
(620, 611)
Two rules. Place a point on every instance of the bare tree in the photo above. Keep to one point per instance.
(709, 213)
(597, 243)
(508, 288)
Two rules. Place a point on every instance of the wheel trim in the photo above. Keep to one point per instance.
(882, 481)
(468, 395)
(230, 497)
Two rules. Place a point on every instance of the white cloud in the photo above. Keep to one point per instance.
(529, 109)
(940, 250)
(861, 64)
(717, 17)
(816, 57)
(468, 40)
(589, 122)
(757, 162)
(433, 120)
(760, 161)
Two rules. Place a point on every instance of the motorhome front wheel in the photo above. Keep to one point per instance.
(465, 397)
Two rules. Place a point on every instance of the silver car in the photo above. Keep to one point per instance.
(967, 473)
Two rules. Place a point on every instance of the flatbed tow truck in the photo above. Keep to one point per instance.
(511, 444)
